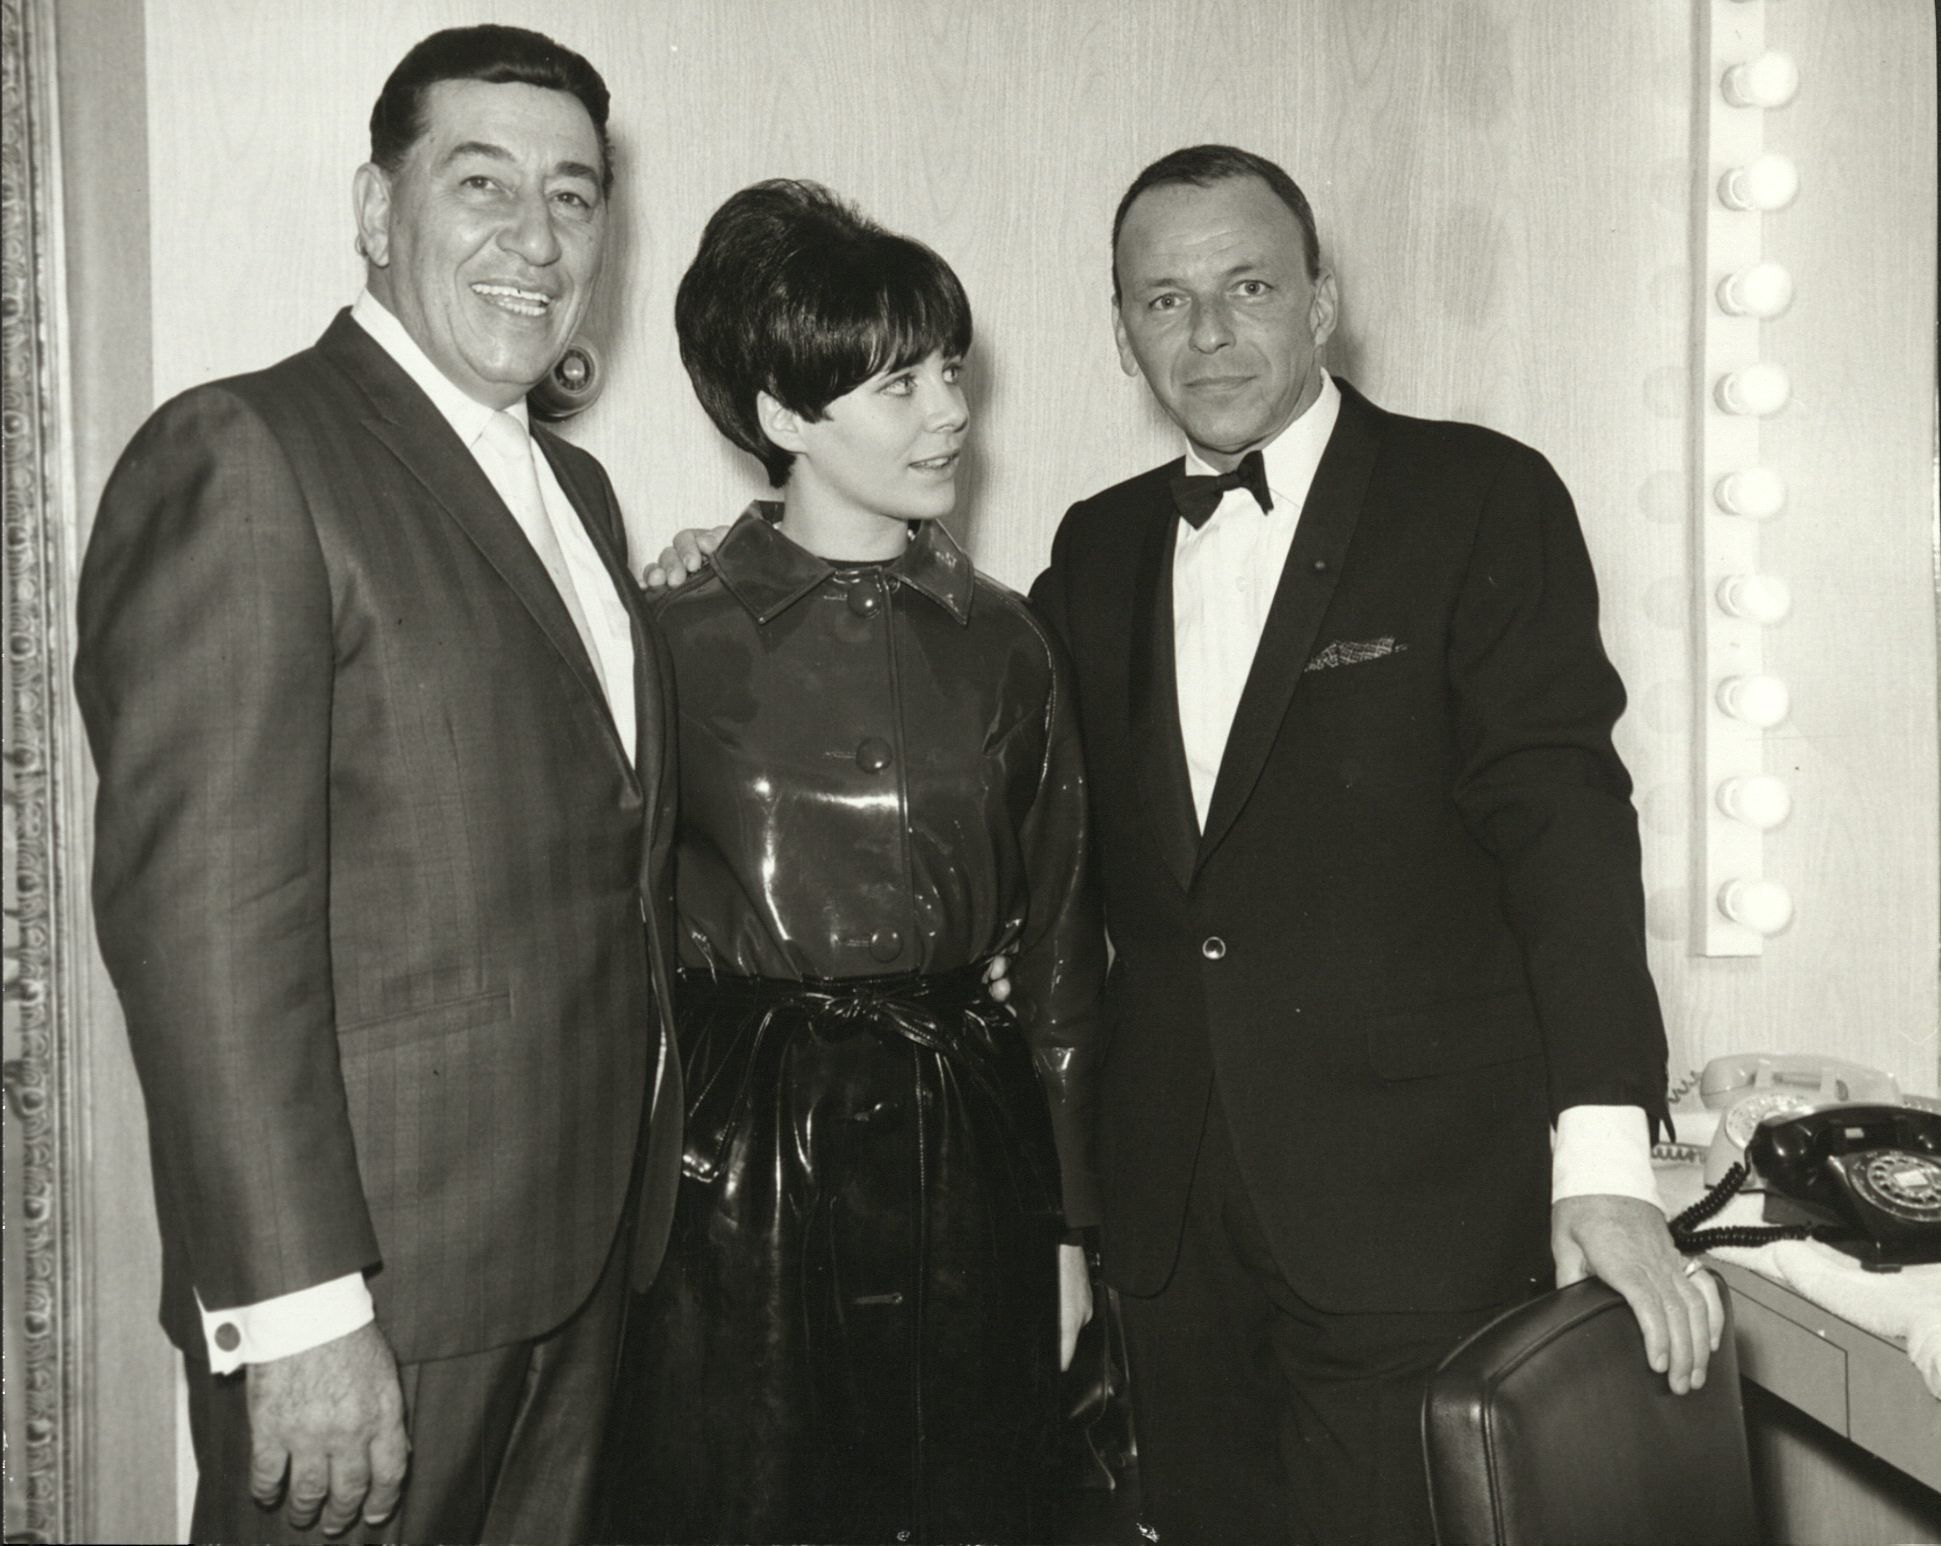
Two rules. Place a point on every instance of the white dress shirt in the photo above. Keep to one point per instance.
(1224, 578)
(307, 1318)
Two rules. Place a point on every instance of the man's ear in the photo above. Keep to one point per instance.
(781, 425)
(1128, 361)
(1322, 309)
(370, 192)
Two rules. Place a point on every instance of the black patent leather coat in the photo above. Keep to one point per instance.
(880, 773)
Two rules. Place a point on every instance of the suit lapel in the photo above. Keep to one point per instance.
(1153, 705)
(591, 500)
(407, 422)
(1306, 586)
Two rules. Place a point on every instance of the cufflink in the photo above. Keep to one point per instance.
(228, 1337)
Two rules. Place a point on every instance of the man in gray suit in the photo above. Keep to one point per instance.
(381, 861)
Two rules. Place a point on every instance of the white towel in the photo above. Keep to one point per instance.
(1904, 1307)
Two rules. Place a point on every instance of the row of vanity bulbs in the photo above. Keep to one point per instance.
(1762, 290)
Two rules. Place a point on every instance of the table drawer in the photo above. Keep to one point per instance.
(1792, 1362)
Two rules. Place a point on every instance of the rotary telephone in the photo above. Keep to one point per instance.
(1838, 1154)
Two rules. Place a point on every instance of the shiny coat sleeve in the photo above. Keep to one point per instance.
(1060, 967)
(205, 674)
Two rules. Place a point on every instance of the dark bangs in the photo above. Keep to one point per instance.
(799, 295)
(848, 309)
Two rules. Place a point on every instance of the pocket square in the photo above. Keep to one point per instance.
(1353, 652)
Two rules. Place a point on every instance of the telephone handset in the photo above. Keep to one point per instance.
(1838, 1155)
(1746, 1089)
(1871, 1173)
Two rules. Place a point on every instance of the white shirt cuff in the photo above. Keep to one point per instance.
(1603, 1149)
(289, 1323)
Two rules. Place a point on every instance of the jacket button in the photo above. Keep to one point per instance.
(864, 599)
(886, 944)
(1213, 948)
(873, 755)
(869, 1116)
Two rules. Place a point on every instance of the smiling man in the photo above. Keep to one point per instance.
(380, 865)
(1371, 872)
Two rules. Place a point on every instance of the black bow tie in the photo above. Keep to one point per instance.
(1198, 498)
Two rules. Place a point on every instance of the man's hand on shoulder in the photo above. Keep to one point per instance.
(1624, 1242)
(332, 1421)
(686, 556)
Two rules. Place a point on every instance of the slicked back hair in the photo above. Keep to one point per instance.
(1204, 165)
(796, 293)
(499, 56)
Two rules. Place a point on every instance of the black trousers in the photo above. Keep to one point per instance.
(504, 1443)
(1260, 1417)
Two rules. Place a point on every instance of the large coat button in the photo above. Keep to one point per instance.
(1213, 948)
(864, 599)
(873, 755)
(886, 944)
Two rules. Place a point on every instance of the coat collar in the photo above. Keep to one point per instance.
(768, 573)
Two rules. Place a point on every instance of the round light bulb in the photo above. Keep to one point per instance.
(1768, 81)
(1758, 598)
(1764, 183)
(1759, 700)
(1757, 493)
(1764, 906)
(1763, 290)
(1760, 389)
(1758, 799)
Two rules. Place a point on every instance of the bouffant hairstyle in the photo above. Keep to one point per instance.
(1204, 165)
(499, 56)
(797, 294)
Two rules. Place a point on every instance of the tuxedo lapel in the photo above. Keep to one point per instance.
(1306, 585)
(1153, 705)
(406, 422)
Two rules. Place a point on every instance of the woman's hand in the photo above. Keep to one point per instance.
(1074, 1300)
(683, 558)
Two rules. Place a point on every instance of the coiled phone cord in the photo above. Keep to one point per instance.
(1690, 1239)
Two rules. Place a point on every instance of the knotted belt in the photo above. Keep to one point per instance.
(948, 1014)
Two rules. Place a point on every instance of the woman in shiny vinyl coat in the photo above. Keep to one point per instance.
(856, 1334)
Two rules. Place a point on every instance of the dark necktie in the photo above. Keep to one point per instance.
(1198, 498)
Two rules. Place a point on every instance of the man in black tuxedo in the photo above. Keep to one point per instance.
(382, 860)
(1371, 872)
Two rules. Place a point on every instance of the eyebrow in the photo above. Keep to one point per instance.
(477, 148)
(1167, 282)
(493, 152)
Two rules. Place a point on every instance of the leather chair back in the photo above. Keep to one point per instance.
(1547, 1426)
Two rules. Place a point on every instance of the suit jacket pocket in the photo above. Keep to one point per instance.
(414, 1025)
(1453, 1035)
(1400, 668)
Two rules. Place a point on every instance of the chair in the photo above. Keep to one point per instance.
(1548, 1427)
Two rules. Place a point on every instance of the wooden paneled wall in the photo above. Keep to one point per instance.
(1504, 190)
